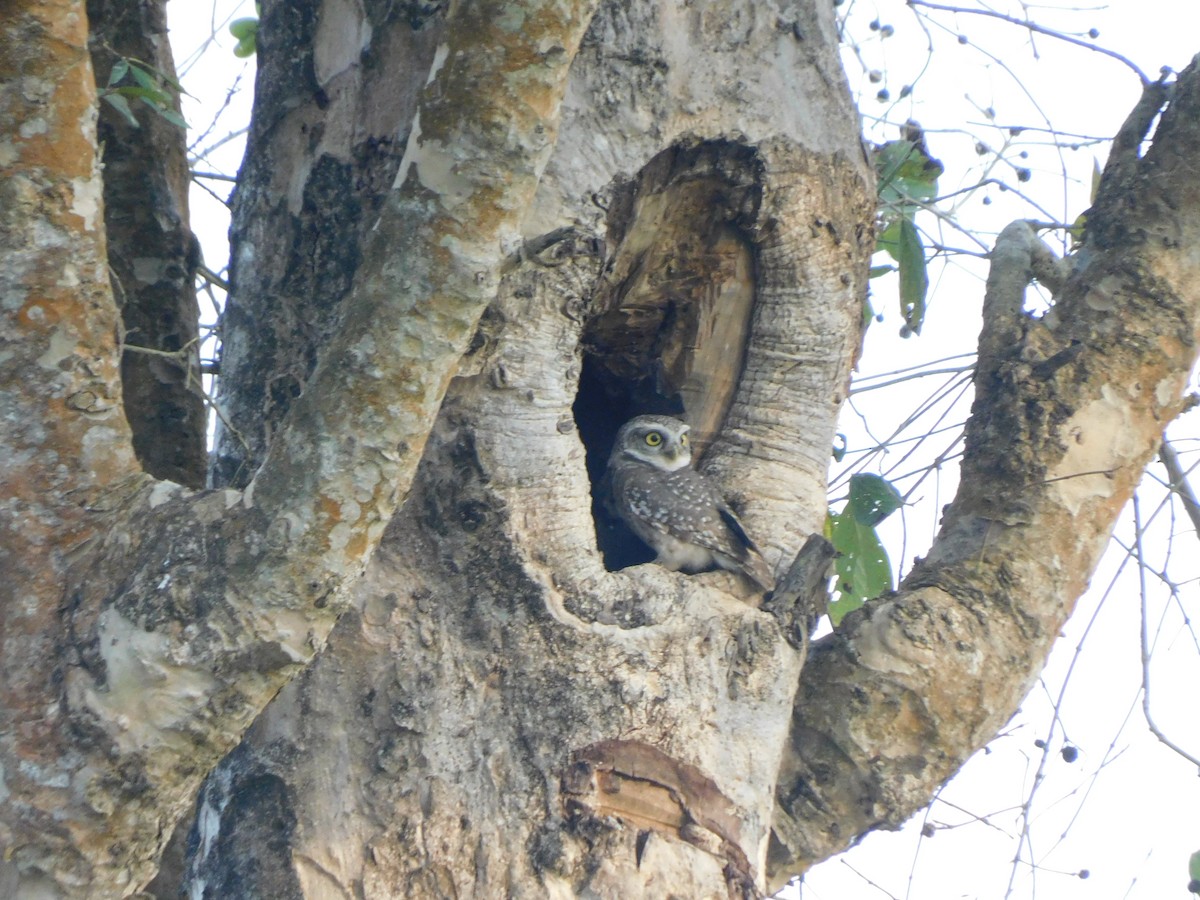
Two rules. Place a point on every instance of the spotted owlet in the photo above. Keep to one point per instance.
(674, 508)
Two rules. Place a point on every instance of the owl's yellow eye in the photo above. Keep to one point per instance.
(653, 439)
(683, 441)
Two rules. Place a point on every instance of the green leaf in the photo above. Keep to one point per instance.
(862, 565)
(1194, 867)
(121, 105)
(914, 280)
(173, 82)
(144, 78)
(872, 499)
(173, 117)
(888, 240)
(1077, 229)
(120, 67)
(150, 96)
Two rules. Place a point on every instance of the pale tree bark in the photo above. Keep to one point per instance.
(146, 626)
(696, 241)
(497, 712)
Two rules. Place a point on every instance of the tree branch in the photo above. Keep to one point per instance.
(1037, 29)
(1065, 419)
(349, 449)
(59, 318)
(1178, 482)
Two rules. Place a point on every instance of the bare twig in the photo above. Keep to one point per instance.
(1154, 729)
(212, 278)
(923, 373)
(1035, 28)
(1177, 482)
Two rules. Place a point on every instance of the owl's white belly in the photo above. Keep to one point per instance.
(680, 556)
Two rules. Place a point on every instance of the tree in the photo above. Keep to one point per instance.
(468, 242)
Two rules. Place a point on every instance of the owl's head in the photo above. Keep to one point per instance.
(659, 441)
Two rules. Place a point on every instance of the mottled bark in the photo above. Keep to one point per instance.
(145, 626)
(334, 98)
(1069, 408)
(63, 433)
(497, 685)
(499, 713)
(151, 252)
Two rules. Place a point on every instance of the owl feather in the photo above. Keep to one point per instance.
(678, 511)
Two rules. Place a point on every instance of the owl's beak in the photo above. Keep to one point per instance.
(672, 454)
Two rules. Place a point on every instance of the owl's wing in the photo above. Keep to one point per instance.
(734, 524)
(720, 530)
(749, 560)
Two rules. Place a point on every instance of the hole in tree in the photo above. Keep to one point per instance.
(603, 404)
(671, 314)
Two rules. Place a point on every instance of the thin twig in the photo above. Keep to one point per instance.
(957, 370)
(1039, 29)
(212, 278)
(1179, 484)
(1154, 729)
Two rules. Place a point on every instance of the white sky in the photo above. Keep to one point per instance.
(1126, 809)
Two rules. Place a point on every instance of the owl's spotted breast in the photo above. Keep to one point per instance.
(676, 510)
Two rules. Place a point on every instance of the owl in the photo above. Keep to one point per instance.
(674, 508)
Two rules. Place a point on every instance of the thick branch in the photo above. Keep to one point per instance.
(349, 449)
(64, 435)
(1065, 418)
(183, 614)
(58, 315)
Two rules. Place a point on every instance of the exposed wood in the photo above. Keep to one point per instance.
(672, 314)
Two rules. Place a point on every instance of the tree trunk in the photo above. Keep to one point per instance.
(499, 703)
(675, 218)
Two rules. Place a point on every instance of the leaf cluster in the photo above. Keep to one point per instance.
(862, 565)
(132, 79)
(908, 181)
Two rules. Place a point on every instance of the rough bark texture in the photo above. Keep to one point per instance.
(502, 715)
(152, 254)
(498, 712)
(1069, 408)
(63, 433)
(145, 626)
(335, 97)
